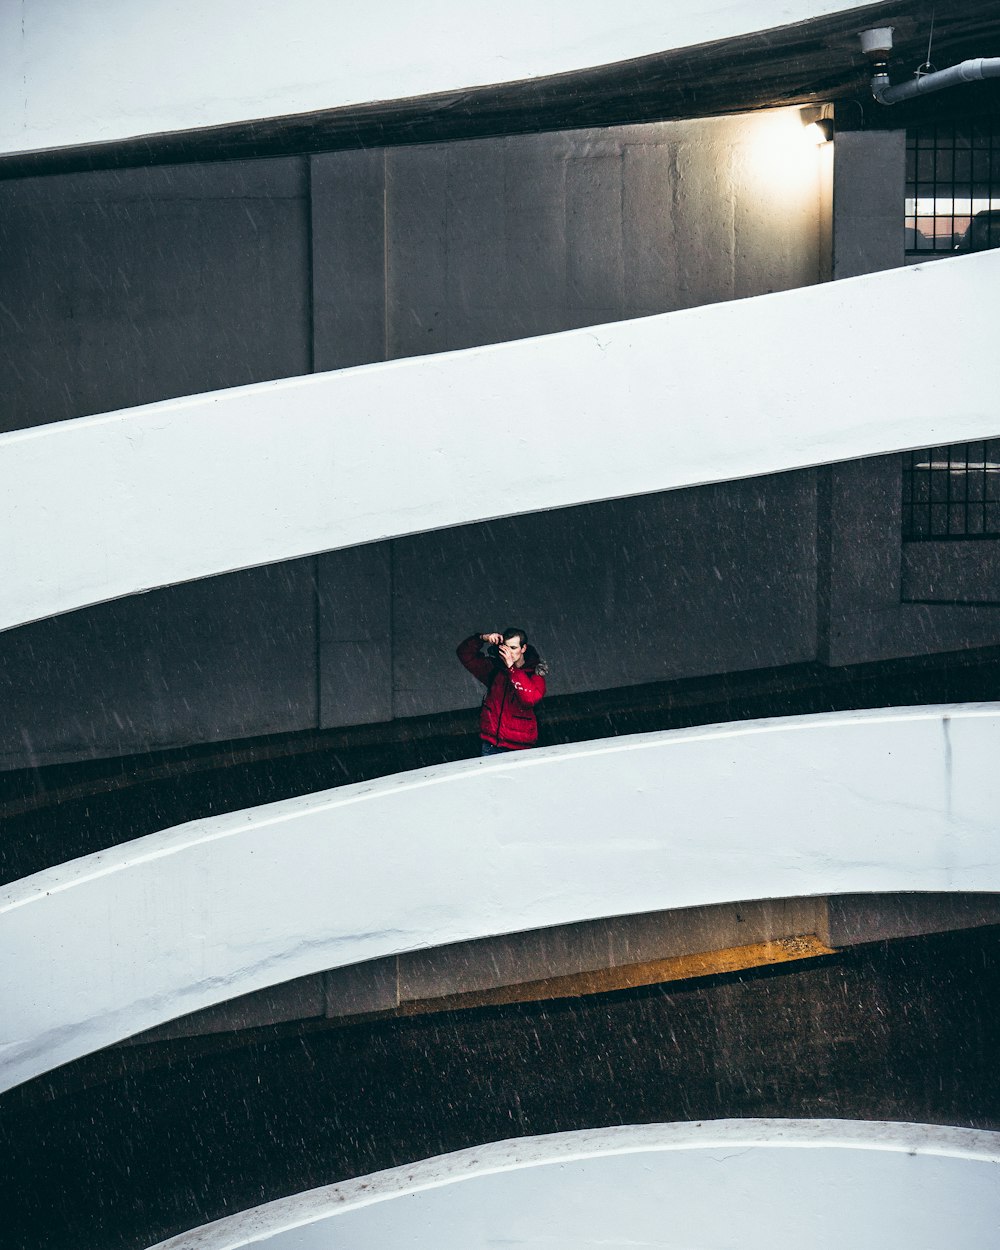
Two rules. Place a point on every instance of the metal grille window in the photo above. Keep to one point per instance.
(953, 187)
(952, 492)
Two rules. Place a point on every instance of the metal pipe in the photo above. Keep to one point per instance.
(967, 71)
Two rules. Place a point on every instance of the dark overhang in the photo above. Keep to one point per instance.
(805, 63)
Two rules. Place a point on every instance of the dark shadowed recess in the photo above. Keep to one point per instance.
(53, 814)
(137, 1143)
(799, 64)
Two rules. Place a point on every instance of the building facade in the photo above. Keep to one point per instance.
(299, 396)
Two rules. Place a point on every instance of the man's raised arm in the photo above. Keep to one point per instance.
(478, 665)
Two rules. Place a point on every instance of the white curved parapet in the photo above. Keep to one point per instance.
(101, 507)
(106, 946)
(73, 74)
(758, 1184)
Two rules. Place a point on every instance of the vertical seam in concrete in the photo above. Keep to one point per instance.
(317, 644)
(311, 299)
(392, 630)
(385, 254)
(673, 176)
(566, 299)
(446, 310)
(622, 294)
(824, 560)
(733, 210)
(310, 266)
(898, 477)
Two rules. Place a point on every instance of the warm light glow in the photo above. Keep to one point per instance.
(783, 159)
(819, 131)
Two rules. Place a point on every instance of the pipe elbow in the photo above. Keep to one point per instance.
(880, 84)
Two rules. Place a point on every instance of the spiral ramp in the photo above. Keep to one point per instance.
(178, 71)
(657, 1185)
(117, 504)
(877, 804)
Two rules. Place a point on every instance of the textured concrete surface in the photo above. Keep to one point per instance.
(657, 1185)
(874, 801)
(137, 1144)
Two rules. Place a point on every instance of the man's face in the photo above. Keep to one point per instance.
(516, 648)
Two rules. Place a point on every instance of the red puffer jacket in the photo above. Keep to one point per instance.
(506, 718)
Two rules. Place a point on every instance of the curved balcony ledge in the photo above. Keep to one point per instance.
(787, 1183)
(95, 75)
(102, 507)
(107, 946)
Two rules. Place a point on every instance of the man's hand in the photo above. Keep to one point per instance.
(505, 653)
(496, 639)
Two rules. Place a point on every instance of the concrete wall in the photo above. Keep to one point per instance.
(715, 579)
(154, 282)
(190, 917)
(595, 956)
(201, 661)
(102, 507)
(460, 244)
(125, 287)
(869, 173)
(70, 76)
(780, 1183)
(890, 598)
(880, 596)
(712, 580)
(673, 585)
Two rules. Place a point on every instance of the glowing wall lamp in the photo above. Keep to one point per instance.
(820, 130)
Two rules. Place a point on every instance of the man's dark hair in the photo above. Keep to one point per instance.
(509, 633)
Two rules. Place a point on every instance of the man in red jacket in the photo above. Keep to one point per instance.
(514, 684)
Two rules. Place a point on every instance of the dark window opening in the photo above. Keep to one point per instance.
(952, 492)
(953, 187)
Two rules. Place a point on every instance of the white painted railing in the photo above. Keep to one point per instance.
(72, 74)
(759, 1184)
(105, 506)
(100, 948)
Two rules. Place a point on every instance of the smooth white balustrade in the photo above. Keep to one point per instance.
(73, 73)
(105, 506)
(95, 950)
(758, 1184)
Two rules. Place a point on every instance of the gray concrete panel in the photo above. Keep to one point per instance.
(869, 616)
(227, 657)
(717, 579)
(854, 918)
(951, 572)
(595, 261)
(355, 622)
(476, 296)
(348, 258)
(666, 935)
(130, 286)
(417, 250)
(701, 189)
(536, 245)
(868, 179)
(712, 580)
(650, 239)
(509, 959)
(360, 988)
